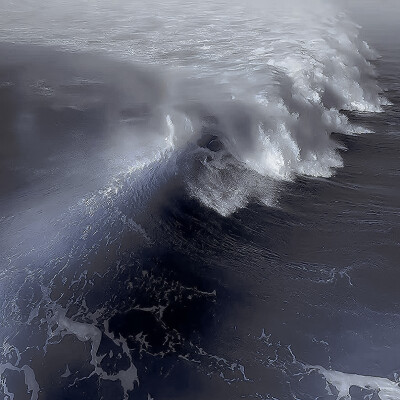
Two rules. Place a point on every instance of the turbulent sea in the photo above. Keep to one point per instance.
(199, 200)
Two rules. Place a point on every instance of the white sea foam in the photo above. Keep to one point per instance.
(30, 380)
(385, 388)
(273, 76)
(60, 324)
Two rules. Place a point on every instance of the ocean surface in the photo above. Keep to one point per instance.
(199, 200)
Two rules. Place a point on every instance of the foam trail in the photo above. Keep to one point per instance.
(60, 325)
(385, 388)
(30, 380)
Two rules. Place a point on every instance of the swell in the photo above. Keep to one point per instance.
(248, 101)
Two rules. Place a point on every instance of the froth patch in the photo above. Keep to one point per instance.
(30, 380)
(60, 324)
(385, 388)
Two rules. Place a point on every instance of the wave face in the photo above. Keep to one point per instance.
(159, 238)
(253, 91)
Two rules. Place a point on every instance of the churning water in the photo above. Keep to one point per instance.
(199, 200)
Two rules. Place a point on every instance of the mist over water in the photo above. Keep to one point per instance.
(264, 82)
(197, 200)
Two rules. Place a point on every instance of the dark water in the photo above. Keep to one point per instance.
(137, 290)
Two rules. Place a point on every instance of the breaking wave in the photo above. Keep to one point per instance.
(253, 92)
(223, 100)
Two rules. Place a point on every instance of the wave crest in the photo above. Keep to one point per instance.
(253, 90)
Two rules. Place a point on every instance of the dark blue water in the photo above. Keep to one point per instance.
(140, 289)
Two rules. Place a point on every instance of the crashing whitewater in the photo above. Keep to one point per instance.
(263, 85)
(247, 100)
